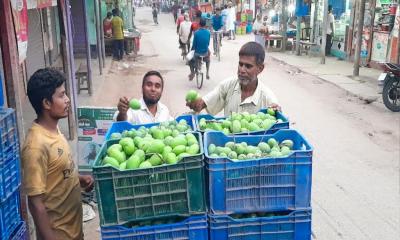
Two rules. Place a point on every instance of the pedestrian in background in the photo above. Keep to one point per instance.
(118, 35)
(259, 30)
(230, 21)
(330, 30)
(155, 14)
(107, 26)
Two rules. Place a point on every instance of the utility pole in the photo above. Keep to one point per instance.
(298, 32)
(324, 28)
(360, 25)
(98, 36)
(315, 20)
(284, 24)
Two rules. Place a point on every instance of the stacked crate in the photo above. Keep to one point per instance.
(161, 202)
(10, 217)
(264, 198)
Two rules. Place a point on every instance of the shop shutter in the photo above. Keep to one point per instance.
(35, 55)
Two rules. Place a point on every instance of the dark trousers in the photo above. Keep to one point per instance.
(118, 49)
(328, 44)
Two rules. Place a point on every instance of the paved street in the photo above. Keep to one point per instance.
(357, 145)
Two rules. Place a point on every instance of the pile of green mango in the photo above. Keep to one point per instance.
(144, 148)
(243, 151)
(241, 122)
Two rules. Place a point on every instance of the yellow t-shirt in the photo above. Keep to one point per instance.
(48, 169)
(117, 26)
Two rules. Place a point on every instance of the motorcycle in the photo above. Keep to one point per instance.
(390, 80)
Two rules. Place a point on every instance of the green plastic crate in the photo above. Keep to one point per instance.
(141, 194)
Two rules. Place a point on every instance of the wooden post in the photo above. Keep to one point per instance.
(324, 25)
(298, 32)
(98, 36)
(356, 69)
(87, 43)
(315, 20)
(284, 24)
(103, 49)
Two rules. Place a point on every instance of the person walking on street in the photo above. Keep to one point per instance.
(184, 31)
(51, 179)
(259, 30)
(151, 109)
(217, 26)
(155, 14)
(230, 21)
(243, 93)
(118, 35)
(329, 31)
(201, 42)
(107, 26)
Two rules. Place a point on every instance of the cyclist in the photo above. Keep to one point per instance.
(217, 25)
(195, 24)
(184, 31)
(201, 42)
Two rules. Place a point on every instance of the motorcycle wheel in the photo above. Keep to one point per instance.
(391, 94)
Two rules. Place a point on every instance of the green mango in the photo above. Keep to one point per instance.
(126, 141)
(226, 124)
(182, 127)
(272, 142)
(275, 154)
(141, 154)
(214, 155)
(134, 104)
(230, 145)
(175, 133)
(285, 151)
(202, 125)
(264, 147)
(168, 140)
(191, 95)
(244, 123)
(233, 155)
(192, 141)
(250, 156)
(124, 133)
(276, 148)
(114, 147)
(171, 158)
(129, 149)
(223, 155)
(178, 141)
(240, 149)
(242, 157)
(236, 126)
(193, 149)
(118, 155)
(167, 132)
(145, 164)
(226, 131)
(261, 115)
(211, 148)
(271, 112)
(179, 149)
(116, 135)
(133, 162)
(158, 134)
(288, 143)
(155, 160)
(251, 149)
(166, 150)
(132, 133)
(156, 146)
(183, 155)
(111, 161)
(122, 166)
(253, 127)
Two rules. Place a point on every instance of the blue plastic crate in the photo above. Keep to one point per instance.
(20, 232)
(265, 184)
(277, 126)
(293, 226)
(192, 228)
(121, 126)
(8, 132)
(9, 176)
(10, 215)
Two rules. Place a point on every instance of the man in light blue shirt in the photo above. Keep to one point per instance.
(201, 42)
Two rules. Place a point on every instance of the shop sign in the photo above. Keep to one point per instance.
(33, 4)
(20, 16)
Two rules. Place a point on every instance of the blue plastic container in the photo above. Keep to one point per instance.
(8, 132)
(294, 226)
(9, 176)
(10, 215)
(283, 125)
(193, 228)
(121, 126)
(20, 232)
(259, 185)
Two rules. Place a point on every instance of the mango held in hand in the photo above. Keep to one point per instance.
(134, 104)
(191, 96)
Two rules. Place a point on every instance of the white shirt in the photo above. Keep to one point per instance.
(143, 115)
(331, 19)
(184, 31)
(228, 96)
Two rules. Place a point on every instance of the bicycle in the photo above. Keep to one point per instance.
(198, 71)
(217, 41)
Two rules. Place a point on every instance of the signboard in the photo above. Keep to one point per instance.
(33, 4)
(379, 46)
(20, 16)
(93, 123)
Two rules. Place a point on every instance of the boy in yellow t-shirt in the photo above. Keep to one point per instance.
(118, 35)
(50, 178)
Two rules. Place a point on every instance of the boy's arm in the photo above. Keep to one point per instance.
(39, 214)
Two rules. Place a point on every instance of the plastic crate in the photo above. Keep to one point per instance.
(8, 132)
(20, 232)
(10, 215)
(193, 228)
(293, 226)
(166, 190)
(9, 176)
(265, 184)
(124, 125)
(274, 128)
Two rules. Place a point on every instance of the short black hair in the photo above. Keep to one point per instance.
(330, 8)
(42, 85)
(153, 73)
(203, 22)
(198, 14)
(115, 11)
(182, 11)
(253, 49)
(109, 14)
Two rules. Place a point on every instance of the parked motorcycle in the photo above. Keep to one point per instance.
(390, 80)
